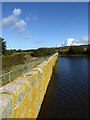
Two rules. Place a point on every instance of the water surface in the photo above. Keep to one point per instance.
(67, 93)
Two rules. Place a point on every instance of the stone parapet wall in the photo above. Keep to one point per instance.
(22, 98)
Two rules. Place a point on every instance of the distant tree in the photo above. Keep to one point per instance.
(10, 52)
(3, 45)
(19, 50)
(76, 50)
(42, 52)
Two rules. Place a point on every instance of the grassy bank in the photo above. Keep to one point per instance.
(15, 63)
(75, 51)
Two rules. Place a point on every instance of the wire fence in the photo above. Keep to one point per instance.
(13, 74)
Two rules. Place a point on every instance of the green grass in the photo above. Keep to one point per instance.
(9, 64)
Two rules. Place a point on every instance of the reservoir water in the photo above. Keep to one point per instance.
(67, 93)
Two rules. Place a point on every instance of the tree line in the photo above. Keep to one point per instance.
(42, 52)
(76, 51)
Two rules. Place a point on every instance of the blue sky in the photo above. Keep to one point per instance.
(33, 25)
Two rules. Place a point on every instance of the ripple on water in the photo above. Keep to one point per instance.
(67, 94)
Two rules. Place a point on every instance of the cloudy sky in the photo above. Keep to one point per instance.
(34, 25)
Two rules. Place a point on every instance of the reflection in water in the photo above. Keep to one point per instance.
(67, 93)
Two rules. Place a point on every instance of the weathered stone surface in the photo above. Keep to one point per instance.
(6, 105)
(22, 98)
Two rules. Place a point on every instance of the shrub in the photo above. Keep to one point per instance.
(9, 52)
(76, 50)
(42, 52)
(10, 61)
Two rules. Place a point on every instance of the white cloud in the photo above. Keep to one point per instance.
(69, 41)
(16, 11)
(31, 17)
(19, 25)
(10, 20)
(14, 21)
(75, 42)
(84, 40)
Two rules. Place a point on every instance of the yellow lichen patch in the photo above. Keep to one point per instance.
(13, 81)
(14, 95)
(35, 76)
(21, 88)
(31, 81)
(30, 105)
(24, 88)
(14, 114)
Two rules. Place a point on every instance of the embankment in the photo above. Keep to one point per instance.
(22, 98)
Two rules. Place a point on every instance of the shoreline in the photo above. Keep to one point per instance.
(81, 56)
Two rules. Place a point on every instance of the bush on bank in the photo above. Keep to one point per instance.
(76, 51)
(42, 52)
(10, 61)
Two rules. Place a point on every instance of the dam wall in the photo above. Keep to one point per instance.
(23, 97)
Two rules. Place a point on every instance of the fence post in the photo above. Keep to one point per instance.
(9, 76)
(22, 69)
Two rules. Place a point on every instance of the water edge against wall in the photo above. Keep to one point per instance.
(67, 94)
